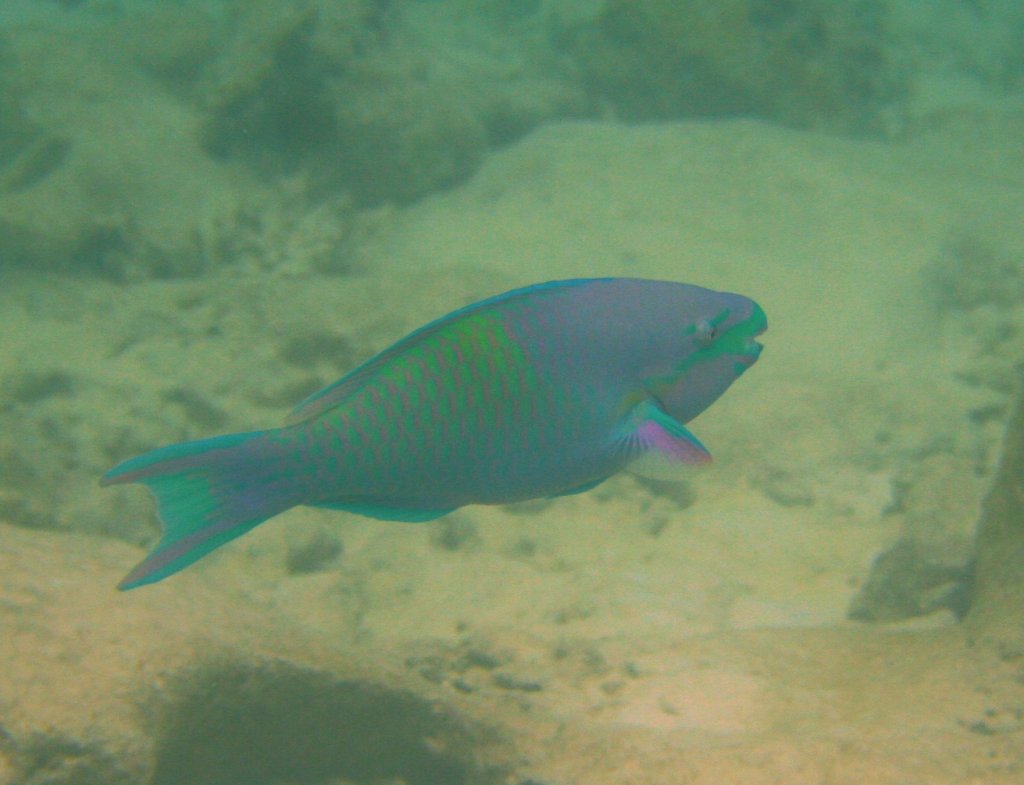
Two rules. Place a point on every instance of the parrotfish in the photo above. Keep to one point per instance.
(539, 392)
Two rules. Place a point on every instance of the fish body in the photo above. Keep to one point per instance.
(539, 392)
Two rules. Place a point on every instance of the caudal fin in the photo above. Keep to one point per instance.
(208, 492)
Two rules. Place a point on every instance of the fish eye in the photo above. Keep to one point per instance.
(705, 334)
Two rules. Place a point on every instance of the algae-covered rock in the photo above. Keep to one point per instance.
(406, 140)
(108, 178)
(37, 221)
(973, 269)
(302, 88)
(168, 139)
(813, 63)
(17, 133)
(928, 567)
(263, 97)
(998, 608)
(387, 102)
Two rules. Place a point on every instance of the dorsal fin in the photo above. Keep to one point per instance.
(338, 391)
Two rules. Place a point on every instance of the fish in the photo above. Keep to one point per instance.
(540, 392)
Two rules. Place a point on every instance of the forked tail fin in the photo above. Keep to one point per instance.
(208, 492)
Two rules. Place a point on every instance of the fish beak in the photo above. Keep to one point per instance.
(751, 351)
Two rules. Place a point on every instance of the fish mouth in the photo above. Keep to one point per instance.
(756, 347)
(751, 351)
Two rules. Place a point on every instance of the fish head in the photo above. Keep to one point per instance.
(714, 347)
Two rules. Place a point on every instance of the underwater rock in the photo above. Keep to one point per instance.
(108, 178)
(14, 126)
(454, 533)
(382, 101)
(129, 165)
(23, 145)
(907, 581)
(810, 64)
(998, 608)
(404, 140)
(173, 42)
(34, 162)
(263, 96)
(928, 567)
(315, 552)
(972, 270)
(292, 92)
(976, 280)
(39, 224)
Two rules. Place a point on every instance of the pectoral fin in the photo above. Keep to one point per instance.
(658, 444)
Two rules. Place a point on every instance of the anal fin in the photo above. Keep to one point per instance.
(382, 512)
(578, 489)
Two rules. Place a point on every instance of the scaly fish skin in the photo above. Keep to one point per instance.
(539, 392)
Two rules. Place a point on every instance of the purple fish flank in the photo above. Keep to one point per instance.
(539, 392)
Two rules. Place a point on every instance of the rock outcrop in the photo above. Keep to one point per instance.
(998, 609)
